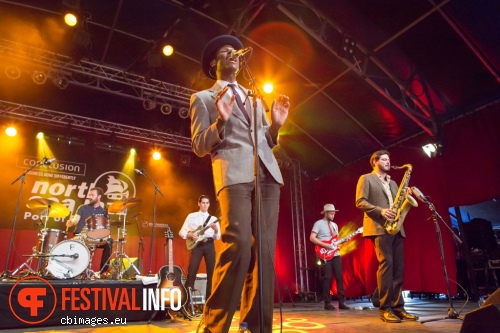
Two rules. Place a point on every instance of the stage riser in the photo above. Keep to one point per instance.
(78, 302)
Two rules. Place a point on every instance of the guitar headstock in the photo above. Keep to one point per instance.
(169, 234)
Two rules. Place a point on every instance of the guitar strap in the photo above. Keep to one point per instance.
(208, 219)
(331, 229)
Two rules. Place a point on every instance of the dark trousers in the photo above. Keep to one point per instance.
(236, 276)
(389, 250)
(202, 250)
(107, 248)
(332, 267)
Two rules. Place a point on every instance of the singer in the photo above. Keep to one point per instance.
(375, 194)
(222, 128)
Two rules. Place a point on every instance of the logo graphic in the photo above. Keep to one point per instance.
(30, 302)
(117, 185)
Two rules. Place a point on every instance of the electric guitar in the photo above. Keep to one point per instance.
(170, 278)
(326, 254)
(200, 231)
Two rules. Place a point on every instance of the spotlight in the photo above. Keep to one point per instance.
(11, 131)
(60, 81)
(70, 19)
(268, 88)
(39, 77)
(347, 46)
(432, 149)
(166, 109)
(13, 72)
(39, 135)
(148, 104)
(156, 155)
(168, 50)
(183, 113)
(132, 151)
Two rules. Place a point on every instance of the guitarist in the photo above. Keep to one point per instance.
(205, 246)
(324, 230)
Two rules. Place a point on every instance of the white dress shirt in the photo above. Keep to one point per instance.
(194, 220)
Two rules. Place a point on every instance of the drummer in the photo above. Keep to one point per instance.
(85, 211)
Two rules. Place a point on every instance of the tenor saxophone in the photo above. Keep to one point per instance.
(402, 203)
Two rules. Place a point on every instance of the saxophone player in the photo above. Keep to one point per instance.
(375, 195)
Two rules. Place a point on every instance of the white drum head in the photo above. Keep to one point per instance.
(68, 259)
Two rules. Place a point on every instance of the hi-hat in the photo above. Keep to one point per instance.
(120, 206)
(54, 208)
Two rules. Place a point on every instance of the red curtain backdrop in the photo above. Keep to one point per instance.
(467, 173)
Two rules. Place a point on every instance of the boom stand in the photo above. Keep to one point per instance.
(452, 313)
(157, 190)
(6, 274)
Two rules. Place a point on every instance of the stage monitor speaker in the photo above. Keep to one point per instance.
(128, 271)
(484, 320)
(493, 298)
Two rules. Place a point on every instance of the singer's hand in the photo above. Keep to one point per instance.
(279, 112)
(224, 109)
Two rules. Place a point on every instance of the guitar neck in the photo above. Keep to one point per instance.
(170, 257)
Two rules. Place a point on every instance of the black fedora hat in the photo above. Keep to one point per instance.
(212, 47)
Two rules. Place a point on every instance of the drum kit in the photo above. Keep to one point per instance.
(63, 258)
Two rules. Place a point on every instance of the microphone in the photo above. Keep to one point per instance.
(48, 161)
(241, 52)
(141, 172)
(420, 196)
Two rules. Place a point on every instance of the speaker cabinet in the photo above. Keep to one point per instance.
(483, 320)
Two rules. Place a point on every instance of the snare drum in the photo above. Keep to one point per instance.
(49, 237)
(68, 259)
(98, 227)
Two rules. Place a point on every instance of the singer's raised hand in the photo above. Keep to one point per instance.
(279, 112)
(224, 109)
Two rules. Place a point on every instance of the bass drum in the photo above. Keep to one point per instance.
(68, 259)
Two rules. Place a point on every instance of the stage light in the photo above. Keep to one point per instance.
(148, 104)
(268, 88)
(39, 135)
(70, 19)
(13, 72)
(11, 131)
(39, 77)
(433, 149)
(132, 151)
(183, 113)
(156, 155)
(60, 81)
(168, 50)
(166, 109)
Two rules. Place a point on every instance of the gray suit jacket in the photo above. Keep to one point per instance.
(232, 150)
(371, 199)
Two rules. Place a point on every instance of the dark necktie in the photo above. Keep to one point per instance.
(239, 101)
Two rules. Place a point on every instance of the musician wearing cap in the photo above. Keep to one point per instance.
(222, 125)
(88, 211)
(201, 229)
(325, 230)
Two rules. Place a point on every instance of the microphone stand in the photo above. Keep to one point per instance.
(452, 313)
(141, 239)
(43, 161)
(256, 94)
(157, 190)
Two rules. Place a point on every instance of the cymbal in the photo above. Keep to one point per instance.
(121, 205)
(55, 209)
(118, 223)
